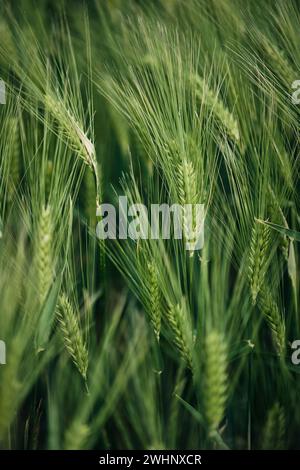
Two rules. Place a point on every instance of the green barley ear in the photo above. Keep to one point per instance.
(75, 136)
(188, 193)
(72, 335)
(270, 310)
(215, 380)
(179, 324)
(154, 298)
(257, 258)
(43, 252)
(280, 63)
(76, 436)
(217, 107)
(274, 430)
(187, 184)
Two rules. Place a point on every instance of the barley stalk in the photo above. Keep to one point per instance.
(82, 145)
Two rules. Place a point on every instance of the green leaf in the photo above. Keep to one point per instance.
(47, 316)
(198, 417)
(283, 230)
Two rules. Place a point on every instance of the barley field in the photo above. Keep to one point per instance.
(135, 342)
